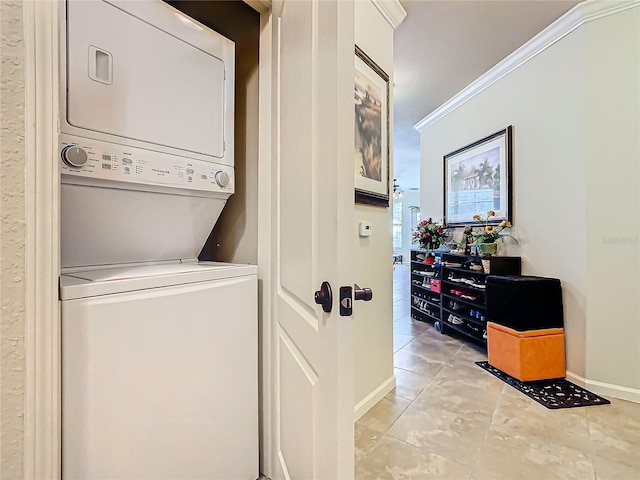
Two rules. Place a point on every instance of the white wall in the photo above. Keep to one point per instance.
(12, 241)
(410, 198)
(235, 236)
(236, 232)
(575, 112)
(612, 171)
(374, 254)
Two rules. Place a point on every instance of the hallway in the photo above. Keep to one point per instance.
(449, 419)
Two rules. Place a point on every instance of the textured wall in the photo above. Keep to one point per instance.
(12, 240)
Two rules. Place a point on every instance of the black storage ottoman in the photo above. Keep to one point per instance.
(524, 302)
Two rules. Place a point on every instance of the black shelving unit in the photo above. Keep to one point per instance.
(425, 298)
(463, 300)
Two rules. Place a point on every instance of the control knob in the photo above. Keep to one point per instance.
(74, 156)
(222, 178)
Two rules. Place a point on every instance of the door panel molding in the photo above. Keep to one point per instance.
(298, 356)
(295, 432)
(297, 230)
(304, 309)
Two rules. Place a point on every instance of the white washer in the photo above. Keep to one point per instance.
(160, 372)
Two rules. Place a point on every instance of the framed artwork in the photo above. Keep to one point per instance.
(371, 152)
(477, 178)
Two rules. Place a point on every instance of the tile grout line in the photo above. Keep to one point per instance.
(411, 402)
(591, 452)
(444, 364)
(387, 434)
(428, 450)
(486, 435)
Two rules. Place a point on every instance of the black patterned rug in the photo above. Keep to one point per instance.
(556, 393)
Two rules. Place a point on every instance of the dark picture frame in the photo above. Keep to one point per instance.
(371, 125)
(477, 178)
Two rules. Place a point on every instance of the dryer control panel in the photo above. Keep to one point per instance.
(81, 157)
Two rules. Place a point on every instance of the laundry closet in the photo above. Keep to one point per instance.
(158, 285)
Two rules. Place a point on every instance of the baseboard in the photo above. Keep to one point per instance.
(606, 389)
(374, 397)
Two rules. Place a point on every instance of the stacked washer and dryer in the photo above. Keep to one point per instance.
(159, 351)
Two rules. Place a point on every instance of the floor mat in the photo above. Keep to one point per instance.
(556, 393)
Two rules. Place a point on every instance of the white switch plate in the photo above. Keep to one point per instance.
(365, 229)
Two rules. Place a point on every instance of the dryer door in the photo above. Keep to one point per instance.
(138, 76)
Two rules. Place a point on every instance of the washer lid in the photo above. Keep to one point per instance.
(106, 281)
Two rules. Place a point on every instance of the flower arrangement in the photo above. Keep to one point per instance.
(429, 234)
(491, 234)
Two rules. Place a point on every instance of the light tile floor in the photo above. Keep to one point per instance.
(449, 419)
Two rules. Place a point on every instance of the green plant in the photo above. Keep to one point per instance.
(491, 233)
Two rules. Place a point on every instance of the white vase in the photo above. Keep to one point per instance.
(486, 265)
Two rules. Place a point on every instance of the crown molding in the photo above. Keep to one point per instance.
(579, 15)
(391, 10)
(260, 6)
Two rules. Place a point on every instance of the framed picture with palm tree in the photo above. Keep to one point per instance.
(371, 153)
(477, 179)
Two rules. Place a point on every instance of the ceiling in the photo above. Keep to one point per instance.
(443, 46)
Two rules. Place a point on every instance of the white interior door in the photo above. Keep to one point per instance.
(312, 237)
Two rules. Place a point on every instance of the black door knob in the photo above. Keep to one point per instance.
(364, 294)
(324, 297)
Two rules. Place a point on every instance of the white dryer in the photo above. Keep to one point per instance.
(146, 131)
(159, 351)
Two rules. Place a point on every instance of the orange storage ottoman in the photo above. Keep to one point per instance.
(529, 355)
